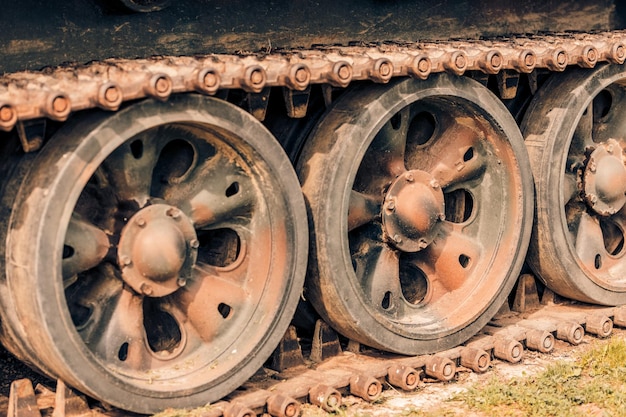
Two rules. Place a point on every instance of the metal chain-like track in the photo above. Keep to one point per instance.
(363, 372)
(57, 92)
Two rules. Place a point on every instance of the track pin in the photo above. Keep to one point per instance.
(366, 387)
(475, 359)
(440, 367)
(325, 397)
(599, 325)
(280, 405)
(404, 377)
(509, 350)
(571, 332)
(539, 340)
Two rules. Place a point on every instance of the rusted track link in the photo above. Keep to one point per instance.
(55, 93)
(364, 374)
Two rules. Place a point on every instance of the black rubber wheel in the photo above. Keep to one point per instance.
(419, 195)
(156, 255)
(575, 136)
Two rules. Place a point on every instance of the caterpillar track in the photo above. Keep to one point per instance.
(333, 370)
(167, 218)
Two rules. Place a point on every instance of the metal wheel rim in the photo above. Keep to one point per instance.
(267, 305)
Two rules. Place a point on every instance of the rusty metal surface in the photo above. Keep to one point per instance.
(56, 93)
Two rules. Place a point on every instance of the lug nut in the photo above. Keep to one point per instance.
(141, 222)
(194, 243)
(126, 261)
(145, 288)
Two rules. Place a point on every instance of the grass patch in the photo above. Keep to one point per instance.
(591, 385)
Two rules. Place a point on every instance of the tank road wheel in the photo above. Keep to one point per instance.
(156, 255)
(576, 138)
(418, 195)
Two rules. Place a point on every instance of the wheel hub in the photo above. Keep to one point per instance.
(413, 206)
(604, 179)
(157, 250)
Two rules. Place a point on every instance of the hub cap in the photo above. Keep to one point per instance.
(157, 251)
(604, 179)
(413, 205)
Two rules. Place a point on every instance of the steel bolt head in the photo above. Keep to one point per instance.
(460, 61)
(6, 113)
(391, 205)
(140, 221)
(112, 94)
(174, 213)
(194, 243)
(610, 148)
(434, 184)
(60, 104)
(162, 85)
(397, 238)
(423, 65)
(210, 79)
(181, 282)
(385, 69)
(145, 288)
(422, 243)
(301, 75)
(409, 177)
(126, 261)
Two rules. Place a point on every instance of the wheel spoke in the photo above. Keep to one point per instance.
(212, 299)
(455, 156)
(216, 190)
(129, 169)
(583, 137)
(114, 325)
(571, 192)
(451, 258)
(85, 247)
(363, 209)
(384, 159)
(589, 242)
(379, 272)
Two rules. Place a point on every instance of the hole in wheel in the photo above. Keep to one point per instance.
(68, 251)
(597, 262)
(612, 236)
(602, 105)
(122, 355)
(232, 189)
(468, 155)
(413, 282)
(386, 303)
(136, 149)
(459, 205)
(396, 121)
(421, 129)
(175, 160)
(224, 310)
(162, 330)
(464, 260)
(219, 247)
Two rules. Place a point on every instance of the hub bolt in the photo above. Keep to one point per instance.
(391, 205)
(141, 222)
(409, 177)
(126, 260)
(397, 238)
(145, 288)
(181, 282)
(434, 184)
(194, 243)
